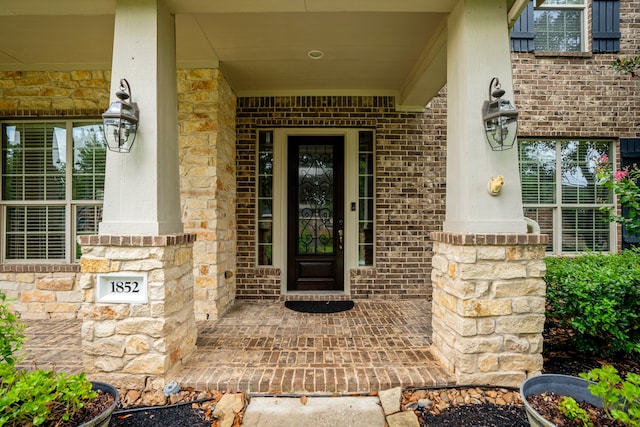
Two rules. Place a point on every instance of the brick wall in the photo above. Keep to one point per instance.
(580, 95)
(410, 190)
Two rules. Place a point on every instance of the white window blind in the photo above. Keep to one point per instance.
(52, 188)
(559, 26)
(561, 192)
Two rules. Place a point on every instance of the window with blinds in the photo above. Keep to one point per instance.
(52, 188)
(561, 192)
(559, 26)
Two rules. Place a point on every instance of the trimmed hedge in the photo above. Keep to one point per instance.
(598, 297)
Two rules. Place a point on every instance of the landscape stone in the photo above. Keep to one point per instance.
(390, 400)
(230, 403)
(403, 419)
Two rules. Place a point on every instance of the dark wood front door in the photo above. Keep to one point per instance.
(315, 213)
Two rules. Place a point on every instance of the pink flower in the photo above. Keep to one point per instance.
(619, 175)
(604, 159)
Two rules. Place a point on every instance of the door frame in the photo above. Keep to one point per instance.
(280, 159)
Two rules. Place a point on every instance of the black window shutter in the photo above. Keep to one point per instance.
(522, 34)
(630, 147)
(606, 26)
(629, 156)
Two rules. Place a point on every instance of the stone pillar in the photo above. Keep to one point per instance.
(488, 305)
(138, 345)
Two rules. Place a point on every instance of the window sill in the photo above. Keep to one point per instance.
(539, 54)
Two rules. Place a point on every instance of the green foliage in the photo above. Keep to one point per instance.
(33, 398)
(624, 184)
(570, 409)
(598, 296)
(621, 398)
(40, 396)
(627, 65)
(11, 336)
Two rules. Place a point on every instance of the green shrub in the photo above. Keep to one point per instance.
(598, 296)
(569, 407)
(34, 398)
(620, 398)
(11, 336)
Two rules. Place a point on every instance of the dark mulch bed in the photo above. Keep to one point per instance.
(559, 357)
(172, 416)
(479, 415)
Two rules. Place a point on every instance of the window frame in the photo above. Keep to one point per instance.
(583, 8)
(268, 223)
(558, 206)
(279, 191)
(70, 204)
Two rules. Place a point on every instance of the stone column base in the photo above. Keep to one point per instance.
(488, 305)
(137, 345)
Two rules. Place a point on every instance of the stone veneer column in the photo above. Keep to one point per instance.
(207, 107)
(488, 305)
(138, 345)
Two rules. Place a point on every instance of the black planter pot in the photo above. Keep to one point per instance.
(104, 418)
(563, 385)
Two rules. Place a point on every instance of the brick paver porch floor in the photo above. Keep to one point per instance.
(263, 347)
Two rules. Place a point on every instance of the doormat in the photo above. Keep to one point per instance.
(319, 306)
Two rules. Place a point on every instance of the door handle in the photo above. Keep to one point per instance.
(340, 234)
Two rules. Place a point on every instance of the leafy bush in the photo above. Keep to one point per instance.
(569, 407)
(34, 398)
(598, 296)
(621, 398)
(11, 336)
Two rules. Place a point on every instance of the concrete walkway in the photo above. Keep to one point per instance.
(315, 412)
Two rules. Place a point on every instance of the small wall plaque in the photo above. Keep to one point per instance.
(128, 288)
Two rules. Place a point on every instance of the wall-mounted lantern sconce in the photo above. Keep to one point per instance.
(500, 118)
(121, 121)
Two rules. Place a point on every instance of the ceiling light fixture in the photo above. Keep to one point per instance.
(315, 54)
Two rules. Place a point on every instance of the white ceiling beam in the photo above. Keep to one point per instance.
(428, 75)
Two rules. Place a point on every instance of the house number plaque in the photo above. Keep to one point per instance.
(122, 288)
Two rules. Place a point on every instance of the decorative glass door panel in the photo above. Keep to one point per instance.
(315, 213)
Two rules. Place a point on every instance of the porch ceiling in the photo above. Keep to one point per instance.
(378, 47)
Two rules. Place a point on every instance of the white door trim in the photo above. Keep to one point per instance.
(280, 137)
